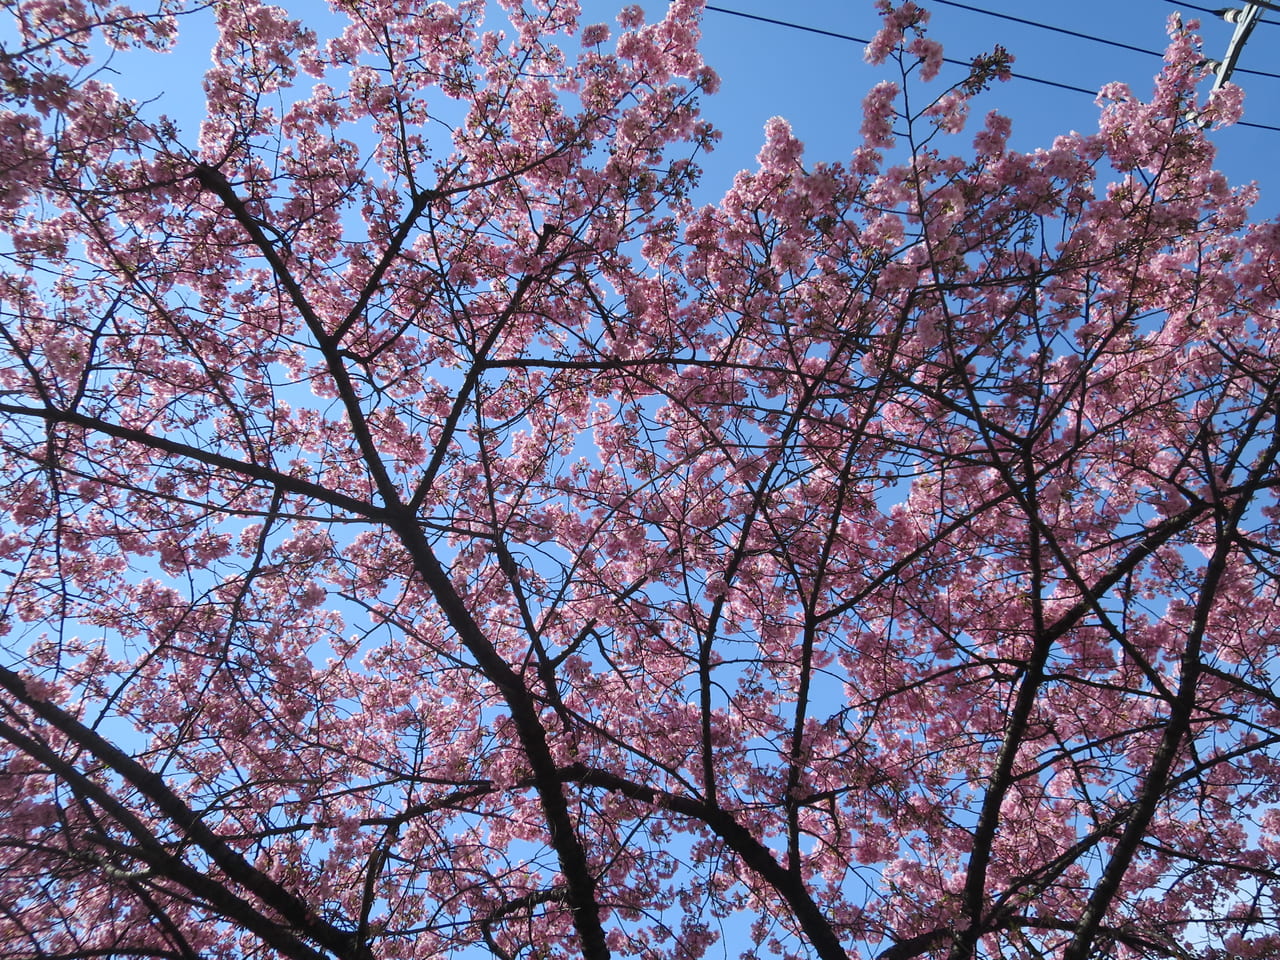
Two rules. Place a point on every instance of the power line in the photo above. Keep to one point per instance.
(1192, 6)
(1212, 13)
(845, 36)
(1045, 26)
(1090, 37)
(785, 23)
(962, 63)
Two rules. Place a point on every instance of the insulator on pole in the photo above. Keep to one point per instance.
(1244, 18)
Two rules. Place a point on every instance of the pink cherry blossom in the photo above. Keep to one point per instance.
(429, 529)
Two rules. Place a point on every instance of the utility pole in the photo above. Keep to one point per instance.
(1244, 18)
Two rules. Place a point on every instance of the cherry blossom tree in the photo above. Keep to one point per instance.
(430, 530)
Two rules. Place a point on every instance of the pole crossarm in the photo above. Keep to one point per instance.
(1245, 19)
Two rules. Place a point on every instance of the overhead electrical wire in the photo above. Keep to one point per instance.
(853, 39)
(1193, 6)
(1208, 10)
(1086, 36)
(1045, 26)
(1020, 76)
(785, 23)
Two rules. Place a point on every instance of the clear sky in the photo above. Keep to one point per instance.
(817, 82)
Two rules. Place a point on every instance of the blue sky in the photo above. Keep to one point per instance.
(817, 82)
